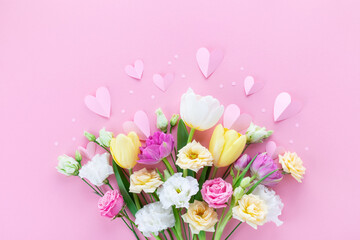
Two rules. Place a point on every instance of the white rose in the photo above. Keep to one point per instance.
(200, 112)
(178, 191)
(97, 170)
(153, 218)
(68, 166)
(104, 137)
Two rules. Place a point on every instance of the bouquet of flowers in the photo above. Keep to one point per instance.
(188, 198)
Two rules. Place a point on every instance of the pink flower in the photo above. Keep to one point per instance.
(216, 192)
(111, 204)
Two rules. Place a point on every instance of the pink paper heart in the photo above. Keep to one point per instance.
(209, 61)
(135, 71)
(251, 86)
(242, 123)
(140, 125)
(285, 107)
(163, 82)
(101, 103)
(89, 151)
(231, 115)
(273, 150)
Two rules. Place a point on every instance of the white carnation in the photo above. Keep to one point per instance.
(273, 203)
(153, 218)
(178, 190)
(97, 170)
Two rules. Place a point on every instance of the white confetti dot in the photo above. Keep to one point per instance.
(233, 83)
(183, 76)
(263, 110)
(307, 148)
(242, 68)
(221, 86)
(56, 143)
(131, 91)
(291, 141)
(169, 62)
(73, 120)
(297, 125)
(176, 56)
(152, 97)
(122, 110)
(74, 139)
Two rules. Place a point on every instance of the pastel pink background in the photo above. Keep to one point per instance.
(54, 53)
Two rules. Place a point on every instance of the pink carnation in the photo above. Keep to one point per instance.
(216, 192)
(111, 204)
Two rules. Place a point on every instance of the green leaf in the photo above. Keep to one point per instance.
(258, 182)
(123, 184)
(182, 135)
(161, 176)
(203, 177)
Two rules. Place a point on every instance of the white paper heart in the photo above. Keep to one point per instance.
(285, 107)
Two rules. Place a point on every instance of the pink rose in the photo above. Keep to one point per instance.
(111, 203)
(216, 192)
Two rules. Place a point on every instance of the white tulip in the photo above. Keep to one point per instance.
(200, 113)
(97, 170)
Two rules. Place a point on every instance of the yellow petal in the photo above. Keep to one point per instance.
(217, 142)
(123, 151)
(135, 140)
(232, 150)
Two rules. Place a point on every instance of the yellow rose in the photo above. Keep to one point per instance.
(292, 163)
(194, 157)
(226, 145)
(200, 217)
(125, 149)
(251, 209)
(144, 180)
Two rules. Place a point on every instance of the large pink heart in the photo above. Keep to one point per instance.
(135, 71)
(285, 107)
(208, 61)
(140, 125)
(163, 82)
(101, 103)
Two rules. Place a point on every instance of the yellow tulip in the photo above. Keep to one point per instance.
(226, 145)
(125, 149)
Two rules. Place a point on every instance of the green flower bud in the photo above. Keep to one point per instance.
(245, 182)
(68, 166)
(78, 156)
(104, 137)
(162, 122)
(238, 193)
(174, 120)
(256, 134)
(89, 136)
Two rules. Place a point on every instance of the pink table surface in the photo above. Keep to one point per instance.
(54, 53)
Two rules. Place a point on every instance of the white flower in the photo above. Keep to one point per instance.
(97, 170)
(104, 137)
(68, 166)
(178, 190)
(194, 157)
(153, 218)
(200, 112)
(256, 134)
(273, 203)
(145, 180)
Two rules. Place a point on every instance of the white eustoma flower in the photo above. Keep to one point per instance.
(68, 166)
(178, 190)
(200, 112)
(97, 169)
(256, 134)
(104, 137)
(153, 218)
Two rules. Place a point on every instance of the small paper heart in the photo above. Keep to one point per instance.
(209, 61)
(89, 151)
(251, 86)
(140, 125)
(273, 150)
(101, 103)
(135, 71)
(163, 82)
(234, 120)
(285, 107)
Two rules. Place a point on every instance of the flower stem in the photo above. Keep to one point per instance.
(214, 172)
(233, 231)
(191, 134)
(96, 192)
(185, 172)
(168, 166)
(99, 190)
(136, 198)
